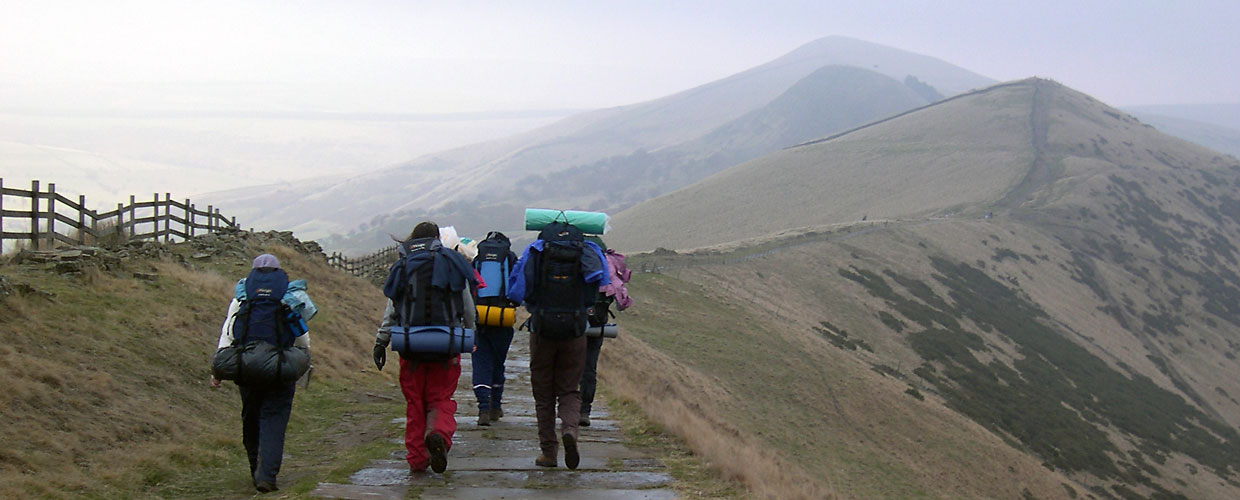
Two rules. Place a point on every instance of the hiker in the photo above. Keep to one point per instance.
(494, 262)
(265, 312)
(599, 313)
(557, 279)
(429, 285)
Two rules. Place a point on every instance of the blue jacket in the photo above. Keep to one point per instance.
(593, 269)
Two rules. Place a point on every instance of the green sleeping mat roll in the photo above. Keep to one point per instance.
(587, 222)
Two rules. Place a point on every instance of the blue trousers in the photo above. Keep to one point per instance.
(264, 416)
(589, 376)
(488, 361)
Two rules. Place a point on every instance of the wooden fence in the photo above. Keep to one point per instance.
(373, 265)
(45, 214)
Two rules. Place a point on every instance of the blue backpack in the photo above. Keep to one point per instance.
(264, 328)
(494, 263)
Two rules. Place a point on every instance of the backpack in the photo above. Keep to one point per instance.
(494, 263)
(423, 308)
(264, 328)
(560, 296)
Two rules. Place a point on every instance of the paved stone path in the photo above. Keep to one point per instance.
(497, 462)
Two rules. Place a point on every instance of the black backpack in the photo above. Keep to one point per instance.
(494, 263)
(560, 296)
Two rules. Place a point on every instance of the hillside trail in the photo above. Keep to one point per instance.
(498, 461)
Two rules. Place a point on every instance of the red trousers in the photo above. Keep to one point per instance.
(428, 389)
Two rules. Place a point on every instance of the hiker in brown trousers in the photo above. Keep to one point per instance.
(557, 279)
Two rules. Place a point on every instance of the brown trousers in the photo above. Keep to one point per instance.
(555, 374)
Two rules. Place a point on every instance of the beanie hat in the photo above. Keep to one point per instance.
(266, 260)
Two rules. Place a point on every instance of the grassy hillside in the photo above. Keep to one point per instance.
(106, 374)
(962, 152)
(757, 386)
(946, 360)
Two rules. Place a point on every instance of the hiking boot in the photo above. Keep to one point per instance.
(438, 448)
(571, 458)
(545, 461)
(496, 413)
(584, 421)
(484, 417)
(265, 487)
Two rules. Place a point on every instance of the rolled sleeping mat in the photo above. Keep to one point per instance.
(587, 222)
(496, 315)
(609, 330)
(432, 339)
(260, 363)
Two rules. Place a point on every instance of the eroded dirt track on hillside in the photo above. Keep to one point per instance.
(498, 461)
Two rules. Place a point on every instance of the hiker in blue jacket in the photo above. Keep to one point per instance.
(557, 279)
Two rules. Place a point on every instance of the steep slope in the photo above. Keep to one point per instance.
(448, 185)
(1078, 307)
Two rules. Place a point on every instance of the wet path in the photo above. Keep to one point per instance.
(498, 461)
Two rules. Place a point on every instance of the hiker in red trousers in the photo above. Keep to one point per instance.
(429, 286)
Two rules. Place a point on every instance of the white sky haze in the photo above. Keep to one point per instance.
(417, 56)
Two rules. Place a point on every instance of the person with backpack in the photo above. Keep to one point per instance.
(599, 314)
(494, 262)
(557, 279)
(429, 320)
(264, 347)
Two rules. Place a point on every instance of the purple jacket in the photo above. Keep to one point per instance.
(619, 274)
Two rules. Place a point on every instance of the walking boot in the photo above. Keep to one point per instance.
(584, 421)
(571, 457)
(545, 461)
(438, 449)
(484, 417)
(496, 413)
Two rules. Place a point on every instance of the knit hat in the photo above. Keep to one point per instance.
(266, 260)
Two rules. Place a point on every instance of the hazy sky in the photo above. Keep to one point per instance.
(414, 56)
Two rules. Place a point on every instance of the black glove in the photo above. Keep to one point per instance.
(380, 355)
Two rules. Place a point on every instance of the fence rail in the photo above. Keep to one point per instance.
(45, 215)
(374, 265)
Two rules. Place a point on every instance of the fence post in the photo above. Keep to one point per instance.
(189, 220)
(210, 219)
(132, 227)
(94, 226)
(155, 219)
(51, 215)
(82, 219)
(167, 217)
(120, 223)
(34, 214)
(1, 214)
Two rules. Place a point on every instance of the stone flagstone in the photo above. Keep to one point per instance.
(497, 461)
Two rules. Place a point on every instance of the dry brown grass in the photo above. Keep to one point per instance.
(687, 404)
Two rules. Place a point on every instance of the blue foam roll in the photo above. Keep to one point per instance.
(432, 339)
